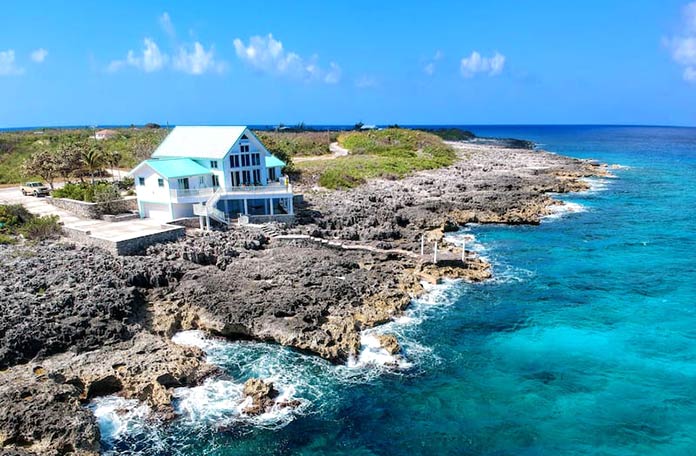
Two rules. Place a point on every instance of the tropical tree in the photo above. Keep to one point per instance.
(43, 163)
(112, 158)
(92, 157)
(69, 158)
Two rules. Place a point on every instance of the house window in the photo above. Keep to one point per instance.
(236, 180)
(213, 164)
(234, 161)
(141, 181)
(244, 148)
(246, 177)
(160, 182)
(201, 181)
(272, 174)
(184, 184)
(245, 160)
(255, 159)
(216, 181)
(257, 177)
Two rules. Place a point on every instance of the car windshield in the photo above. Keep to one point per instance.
(35, 184)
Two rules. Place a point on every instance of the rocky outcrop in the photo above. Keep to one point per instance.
(79, 323)
(488, 185)
(389, 343)
(260, 396)
(43, 402)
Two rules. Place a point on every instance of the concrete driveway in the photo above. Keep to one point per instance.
(100, 229)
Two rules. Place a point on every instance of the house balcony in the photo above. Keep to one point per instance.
(197, 195)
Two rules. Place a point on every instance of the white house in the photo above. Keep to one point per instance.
(105, 134)
(212, 172)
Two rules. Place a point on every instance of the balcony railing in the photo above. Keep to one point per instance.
(205, 192)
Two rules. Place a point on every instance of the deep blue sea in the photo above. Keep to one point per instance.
(583, 343)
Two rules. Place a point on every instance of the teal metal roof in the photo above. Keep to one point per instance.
(176, 167)
(272, 161)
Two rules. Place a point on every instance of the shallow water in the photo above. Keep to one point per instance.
(584, 343)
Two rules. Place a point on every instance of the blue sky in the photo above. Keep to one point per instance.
(407, 62)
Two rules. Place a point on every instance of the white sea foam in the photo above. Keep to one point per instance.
(597, 184)
(221, 403)
(373, 354)
(560, 210)
(117, 416)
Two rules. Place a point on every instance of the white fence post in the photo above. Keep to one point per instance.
(422, 244)
(464, 251)
(435, 253)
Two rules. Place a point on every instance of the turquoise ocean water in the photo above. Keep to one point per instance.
(584, 343)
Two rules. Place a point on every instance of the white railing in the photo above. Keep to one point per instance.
(191, 192)
(272, 187)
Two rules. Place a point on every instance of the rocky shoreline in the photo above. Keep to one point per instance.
(79, 323)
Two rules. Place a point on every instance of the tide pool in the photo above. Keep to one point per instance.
(583, 343)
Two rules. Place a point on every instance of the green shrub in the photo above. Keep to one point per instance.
(71, 191)
(6, 239)
(126, 183)
(40, 228)
(13, 215)
(106, 192)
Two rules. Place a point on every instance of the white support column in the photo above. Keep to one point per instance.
(207, 223)
(246, 210)
(201, 222)
(435, 253)
(270, 203)
(422, 244)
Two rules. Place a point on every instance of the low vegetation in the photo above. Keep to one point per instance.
(391, 153)
(288, 144)
(15, 220)
(99, 192)
(51, 154)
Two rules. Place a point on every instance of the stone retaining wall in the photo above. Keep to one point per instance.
(94, 210)
(133, 246)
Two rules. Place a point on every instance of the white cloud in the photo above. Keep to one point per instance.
(151, 59)
(266, 54)
(197, 61)
(475, 63)
(333, 76)
(365, 82)
(191, 58)
(683, 47)
(39, 55)
(8, 66)
(165, 22)
(429, 67)
(690, 74)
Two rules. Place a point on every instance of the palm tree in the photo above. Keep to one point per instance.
(92, 157)
(112, 158)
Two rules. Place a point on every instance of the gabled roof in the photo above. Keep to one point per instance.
(199, 142)
(172, 168)
(272, 161)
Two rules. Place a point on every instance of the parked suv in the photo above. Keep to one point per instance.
(34, 189)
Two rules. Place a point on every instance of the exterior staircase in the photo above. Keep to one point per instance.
(212, 211)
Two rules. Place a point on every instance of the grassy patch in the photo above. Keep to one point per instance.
(392, 154)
